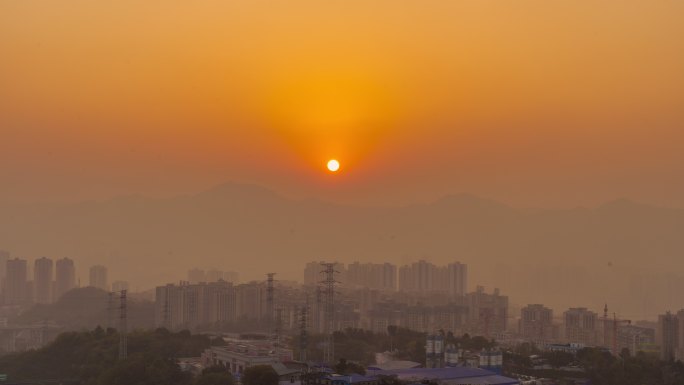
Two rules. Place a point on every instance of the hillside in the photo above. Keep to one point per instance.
(582, 256)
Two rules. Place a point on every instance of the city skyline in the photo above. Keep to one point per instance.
(420, 277)
(520, 250)
(344, 192)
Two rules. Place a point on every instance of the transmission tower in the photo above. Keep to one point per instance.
(317, 321)
(123, 338)
(110, 311)
(329, 292)
(167, 309)
(605, 326)
(303, 335)
(270, 302)
(278, 330)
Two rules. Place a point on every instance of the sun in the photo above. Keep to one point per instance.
(333, 165)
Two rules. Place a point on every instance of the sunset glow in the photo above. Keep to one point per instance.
(439, 189)
(333, 165)
(463, 95)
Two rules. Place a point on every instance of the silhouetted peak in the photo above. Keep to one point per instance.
(469, 201)
(234, 190)
(623, 204)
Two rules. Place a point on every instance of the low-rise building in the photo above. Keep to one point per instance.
(239, 355)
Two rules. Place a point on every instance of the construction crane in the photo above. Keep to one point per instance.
(616, 322)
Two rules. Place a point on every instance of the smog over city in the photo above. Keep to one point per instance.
(342, 192)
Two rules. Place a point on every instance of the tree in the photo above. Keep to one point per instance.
(347, 367)
(260, 375)
(215, 375)
(92, 358)
(392, 331)
(558, 359)
(141, 369)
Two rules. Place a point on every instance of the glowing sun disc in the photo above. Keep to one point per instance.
(333, 165)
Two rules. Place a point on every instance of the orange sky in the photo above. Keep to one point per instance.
(534, 103)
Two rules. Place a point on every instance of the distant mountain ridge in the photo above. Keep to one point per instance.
(629, 254)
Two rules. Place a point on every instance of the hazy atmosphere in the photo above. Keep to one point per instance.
(621, 252)
(531, 103)
(165, 148)
(139, 119)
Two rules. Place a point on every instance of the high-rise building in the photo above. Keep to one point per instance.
(118, 286)
(232, 277)
(635, 338)
(425, 277)
(212, 275)
(4, 257)
(98, 277)
(457, 279)
(488, 312)
(536, 323)
(312, 273)
(381, 276)
(581, 326)
(65, 277)
(193, 305)
(43, 269)
(251, 301)
(669, 335)
(16, 285)
(416, 277)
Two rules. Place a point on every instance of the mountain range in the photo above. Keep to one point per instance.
(626, 254)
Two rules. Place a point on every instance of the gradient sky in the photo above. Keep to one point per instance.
(533, 103)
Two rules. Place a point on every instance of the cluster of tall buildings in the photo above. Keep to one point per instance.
(366, 296)
(418, 277)
(208, 297)
(50, 280)
(579, 327)
(192, 305)
(377, 276)
(420, 296)
(45, 281)
(206, 305)
(477, 313)
(428, 298)
(425, 277)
